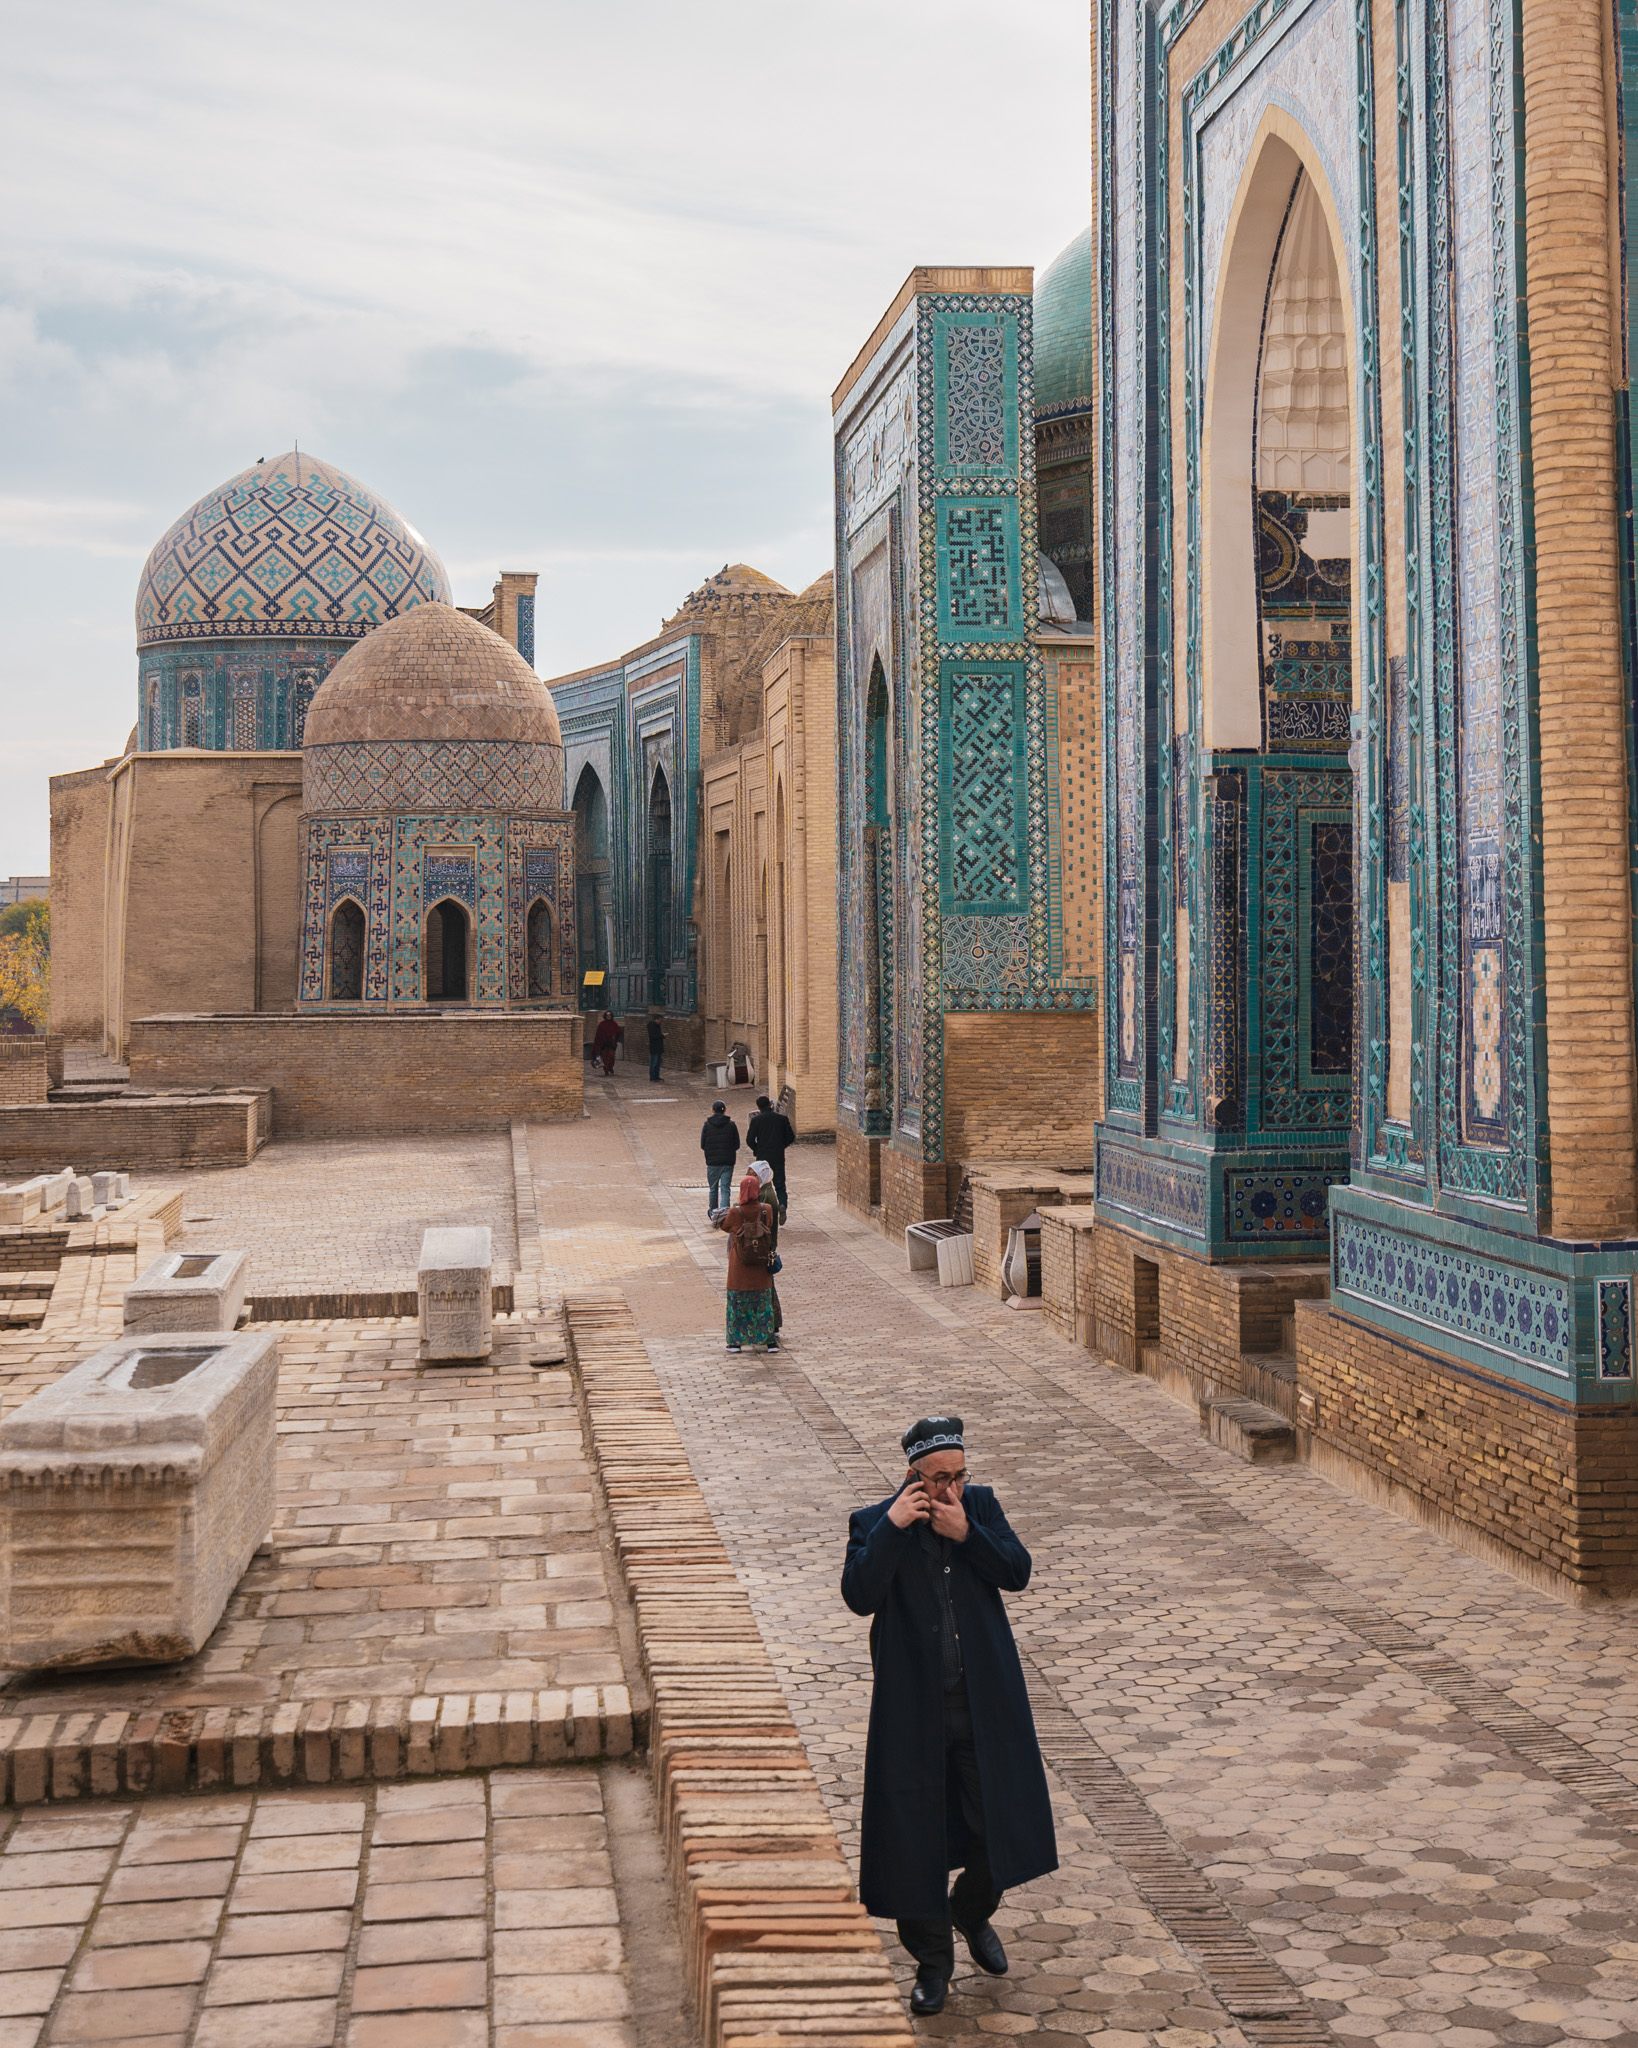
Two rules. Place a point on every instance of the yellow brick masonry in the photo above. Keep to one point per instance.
(1586, 892)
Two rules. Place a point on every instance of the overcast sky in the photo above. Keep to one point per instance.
(569, 285)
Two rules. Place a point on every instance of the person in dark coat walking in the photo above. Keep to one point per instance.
(953, 1774)
(719, 1141)
(768, 1133)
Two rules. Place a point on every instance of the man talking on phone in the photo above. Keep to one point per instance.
(953, 1775)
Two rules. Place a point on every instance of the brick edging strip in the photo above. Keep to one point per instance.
(776, 1948)
(306, 1742)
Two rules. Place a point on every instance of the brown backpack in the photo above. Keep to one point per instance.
(755, 1239)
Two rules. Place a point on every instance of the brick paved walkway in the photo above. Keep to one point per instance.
(449, 1913)
(348, 1213)
(1410, 1777)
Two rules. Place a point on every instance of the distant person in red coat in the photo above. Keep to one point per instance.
(606, 1040)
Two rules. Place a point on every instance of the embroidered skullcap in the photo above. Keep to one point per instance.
(932, 1433)
(762, 1170)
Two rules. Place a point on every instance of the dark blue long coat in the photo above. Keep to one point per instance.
(913, 1831)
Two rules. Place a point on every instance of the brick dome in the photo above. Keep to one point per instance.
(433, 674)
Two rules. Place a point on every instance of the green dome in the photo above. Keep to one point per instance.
(1063, 331)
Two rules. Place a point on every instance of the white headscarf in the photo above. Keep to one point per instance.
(762, 1170)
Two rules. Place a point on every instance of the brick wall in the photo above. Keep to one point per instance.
(1575, 315)
(1513, 1474)
(912, 1190)
(133, 1135)
(79, 864)
(1197, 1321)
(858, 1173)
(1022, 1085)
(375, 1075)
(22, 1070)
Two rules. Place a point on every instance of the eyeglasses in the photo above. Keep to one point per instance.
(943, 1478)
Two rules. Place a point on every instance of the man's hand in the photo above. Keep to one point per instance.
(949, 1519)
(913, 1506)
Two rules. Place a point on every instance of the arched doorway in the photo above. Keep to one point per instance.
(448, 943)
(659, 885)
(592, 899)
(1277, 683)
(347, 952)
(538, 940)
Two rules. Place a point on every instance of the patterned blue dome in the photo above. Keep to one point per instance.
(1063, 331)
(290, 548)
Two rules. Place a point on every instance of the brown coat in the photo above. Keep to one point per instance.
(743, 1279)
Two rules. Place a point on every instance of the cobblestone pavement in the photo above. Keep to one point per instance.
(519, 1908)
(347, 1213)
(1407, 1774)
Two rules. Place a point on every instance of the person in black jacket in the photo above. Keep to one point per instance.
(767, 1134)
(953, 1772)
(719, 1141)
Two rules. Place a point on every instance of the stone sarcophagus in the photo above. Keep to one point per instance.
(134, 1491)
(187, 1291)
(457, 1293)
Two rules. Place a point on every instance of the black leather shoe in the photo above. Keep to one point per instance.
(927, 1993)
(984, 1946)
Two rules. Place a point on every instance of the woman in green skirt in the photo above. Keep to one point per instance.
(752, 1226)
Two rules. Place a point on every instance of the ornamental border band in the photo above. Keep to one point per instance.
(953, 1775)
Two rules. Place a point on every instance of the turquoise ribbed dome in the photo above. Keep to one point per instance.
(1063, 331)
(292, 547)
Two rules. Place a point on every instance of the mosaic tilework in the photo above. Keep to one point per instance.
(980, 593)
(233, 694)
(526, 626)
(1260, 1204)
(975, 411)
(984, 791)
(1151, 1188)
(1615, 1329)
(403, 775)
(398, 867)
(446, 874)
(1521, 1315)
(292, 546)
(1299, 981)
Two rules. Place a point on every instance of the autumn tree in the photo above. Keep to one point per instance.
(25, 961)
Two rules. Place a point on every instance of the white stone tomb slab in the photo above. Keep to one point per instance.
(188, 1291)
(80, 1202)
(134, 1491)
(457, 1295)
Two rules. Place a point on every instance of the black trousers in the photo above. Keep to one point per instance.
(778, 1166)
(974, 1897)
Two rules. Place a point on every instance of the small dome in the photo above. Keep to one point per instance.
(820, 590)
(1063, 331)
(289, 547)
(433, 674)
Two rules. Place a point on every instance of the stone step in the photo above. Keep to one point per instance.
(1250, 1431)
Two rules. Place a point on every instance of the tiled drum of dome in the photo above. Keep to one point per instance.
(293, 547)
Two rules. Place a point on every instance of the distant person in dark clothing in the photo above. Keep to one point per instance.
(656, 1045)
(719, 1141)
(953, 1776)
(767, 1134)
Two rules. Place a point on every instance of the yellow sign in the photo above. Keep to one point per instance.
(594, 979)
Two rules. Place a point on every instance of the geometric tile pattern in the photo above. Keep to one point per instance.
(1615, 1329)
(1523, 1315)
(408, 775)
(288, 547)
(397, 867)
(230, 693)
(1152, 1188)
(1260, 1204)
(983, 732)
